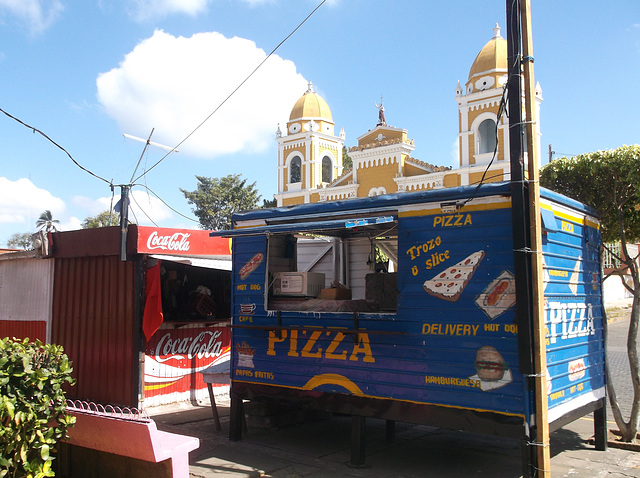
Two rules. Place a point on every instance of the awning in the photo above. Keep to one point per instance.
(204, 262)
(368, 226)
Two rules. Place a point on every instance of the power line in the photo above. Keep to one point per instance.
(234, 91)
(163, 202)
(36, 130)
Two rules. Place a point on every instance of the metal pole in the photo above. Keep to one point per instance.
(520, 224)
(124, 220)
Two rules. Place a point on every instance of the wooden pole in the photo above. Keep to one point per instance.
(539, 344)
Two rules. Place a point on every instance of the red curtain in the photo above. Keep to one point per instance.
(152, 318)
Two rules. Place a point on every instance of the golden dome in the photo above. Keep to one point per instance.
(311, 105)
(492, 59)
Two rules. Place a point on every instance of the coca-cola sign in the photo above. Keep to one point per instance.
(176, 242)
(204, 345)
(185, 242)
(174, 358)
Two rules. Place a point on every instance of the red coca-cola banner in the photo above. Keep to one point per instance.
(175, 358)
(184, 242)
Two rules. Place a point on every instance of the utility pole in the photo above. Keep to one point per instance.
(126, 188)
(537, 286)
(527, 242)
(124, 219)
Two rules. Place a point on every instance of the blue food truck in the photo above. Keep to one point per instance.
(403, 307)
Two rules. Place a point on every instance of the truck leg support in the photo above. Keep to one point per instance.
(358, 441)
(236, 418)
(600, 426)
(391, 431)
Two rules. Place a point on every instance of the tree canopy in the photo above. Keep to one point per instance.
(608, 181)
(47, 222)
(347, 162)
(105, 218)
(20, 240)
(217, 199)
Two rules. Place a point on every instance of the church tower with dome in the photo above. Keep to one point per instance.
(483, 123)
(310, 162)
(309, 153)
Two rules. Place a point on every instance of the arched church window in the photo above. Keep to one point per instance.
(295, 170)
(487, 133)
(327, 170)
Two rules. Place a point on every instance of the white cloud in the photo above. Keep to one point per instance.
(144, 208)
(143, 10)
(173, 84)
(147, 209)
(37, 14)
(21, 203)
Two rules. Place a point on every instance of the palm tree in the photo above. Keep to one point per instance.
(47, 222)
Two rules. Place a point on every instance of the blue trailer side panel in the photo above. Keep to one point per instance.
(573, 310)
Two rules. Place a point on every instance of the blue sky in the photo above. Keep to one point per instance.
(87, 72)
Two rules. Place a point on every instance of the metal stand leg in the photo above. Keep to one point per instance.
(391, 431)
(357, 441)
(529, 457)
(600, 426)
(236, 418)
(214, 408)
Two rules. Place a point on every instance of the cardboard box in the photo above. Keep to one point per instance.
(335, 294)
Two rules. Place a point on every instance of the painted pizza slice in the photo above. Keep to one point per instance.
(450, 283)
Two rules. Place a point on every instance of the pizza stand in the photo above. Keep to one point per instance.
(439, 340)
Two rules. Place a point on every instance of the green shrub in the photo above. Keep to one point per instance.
(32, 406)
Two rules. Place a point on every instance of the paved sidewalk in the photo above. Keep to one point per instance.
(321, 448)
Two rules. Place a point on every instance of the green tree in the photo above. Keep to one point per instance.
(217, 199)
(104, 219)
(20, 240)
(609, 181)
(33, 409)
(47, 222)
(269, 203)
(347, 162)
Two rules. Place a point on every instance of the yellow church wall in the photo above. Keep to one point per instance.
(492, 176)
(388, 135)
(377, 176)
(452, 180)
(412, 170)
(293, 201)
(472, 149)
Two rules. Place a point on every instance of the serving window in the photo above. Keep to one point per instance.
(190, 293)
(349, 267)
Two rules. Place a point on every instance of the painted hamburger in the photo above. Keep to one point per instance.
(489, 364)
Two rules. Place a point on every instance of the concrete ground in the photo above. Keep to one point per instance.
(321, 448)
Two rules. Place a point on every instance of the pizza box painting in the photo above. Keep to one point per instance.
(446, 348)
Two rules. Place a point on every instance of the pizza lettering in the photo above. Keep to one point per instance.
(450, 283)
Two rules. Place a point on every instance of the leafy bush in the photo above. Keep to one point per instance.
(32, 406)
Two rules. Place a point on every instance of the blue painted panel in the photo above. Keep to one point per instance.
(573, 315)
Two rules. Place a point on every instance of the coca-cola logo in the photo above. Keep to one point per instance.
(203, 345)
(175, 242)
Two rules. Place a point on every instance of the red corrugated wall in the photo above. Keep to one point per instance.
(94, 319)
(20, 329)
